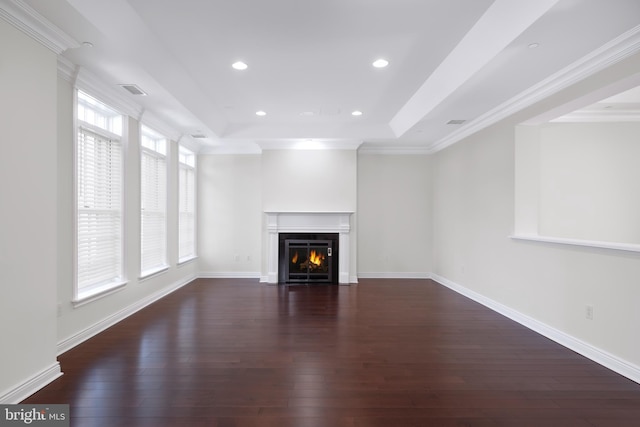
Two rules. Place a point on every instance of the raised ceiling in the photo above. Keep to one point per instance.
(310, 63)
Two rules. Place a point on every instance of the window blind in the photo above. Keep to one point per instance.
(153, 211)
(186, 214)
(99, 211)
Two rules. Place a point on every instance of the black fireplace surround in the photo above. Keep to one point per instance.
(308, 258)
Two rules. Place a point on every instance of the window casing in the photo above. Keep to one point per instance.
(99, 195)
(186, 205)
(153, 202)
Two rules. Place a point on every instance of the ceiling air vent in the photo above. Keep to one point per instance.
(133, 90)
(456, 122)
(198, 136)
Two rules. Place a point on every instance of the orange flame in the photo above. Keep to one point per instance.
(295, 258)
(316, 257)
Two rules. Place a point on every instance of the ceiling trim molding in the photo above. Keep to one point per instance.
(313, 144)
(610, 53)
(585, 116)
(30, 22)
(243, 149)
(188, 142)
(372, 149)
(479, 46)
(67, 70)
(89, 82)
(149, 119)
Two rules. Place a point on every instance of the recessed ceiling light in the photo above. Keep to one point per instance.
(356, 113)
(239, 65)
(261, 113)
(380, 63)
(87, 44)
(534, 45)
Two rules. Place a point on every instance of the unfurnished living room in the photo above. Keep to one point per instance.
(338, 213)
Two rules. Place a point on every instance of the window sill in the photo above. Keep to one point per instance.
(148, 274)
(187, 260)
(628, 247)
(98, 293)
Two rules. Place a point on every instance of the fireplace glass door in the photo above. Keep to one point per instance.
(309, 260)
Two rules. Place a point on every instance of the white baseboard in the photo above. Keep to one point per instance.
(72, 341)
(32, 385)
(392, 275)
(595, 354)
(230, 275)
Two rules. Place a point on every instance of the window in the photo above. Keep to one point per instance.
(153, 202)
(99, 254)
(187, 205)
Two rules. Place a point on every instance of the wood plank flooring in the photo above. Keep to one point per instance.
(385, 353)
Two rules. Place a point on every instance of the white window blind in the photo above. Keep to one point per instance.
(99, 211)
(153, 209)
(187, 205)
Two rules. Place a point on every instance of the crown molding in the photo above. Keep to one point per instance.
(610, 53)
(600, 116)
(312, 144)
(67, 70)
(27, 20)
(393, 150)
(94, 86)
(148, 118)
(243, 148)
(189, 143)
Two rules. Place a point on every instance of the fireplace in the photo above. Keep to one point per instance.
(322, 223)
(308, 258)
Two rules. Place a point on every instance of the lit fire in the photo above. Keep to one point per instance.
(315, 260)
(316, 257)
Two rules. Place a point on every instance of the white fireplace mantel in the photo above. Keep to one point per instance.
(309, 222)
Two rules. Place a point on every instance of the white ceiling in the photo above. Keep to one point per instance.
(310, 62)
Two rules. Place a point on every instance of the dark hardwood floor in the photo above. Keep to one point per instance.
(381, 353)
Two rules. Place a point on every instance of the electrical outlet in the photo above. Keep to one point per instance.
(589, 312)
(237, 258)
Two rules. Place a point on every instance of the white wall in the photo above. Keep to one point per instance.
(590, 181)
(391, 196)
(309, 180)
(28, 238)
(394, 215)
(230, 215)
(236, 190)
(551, 284)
